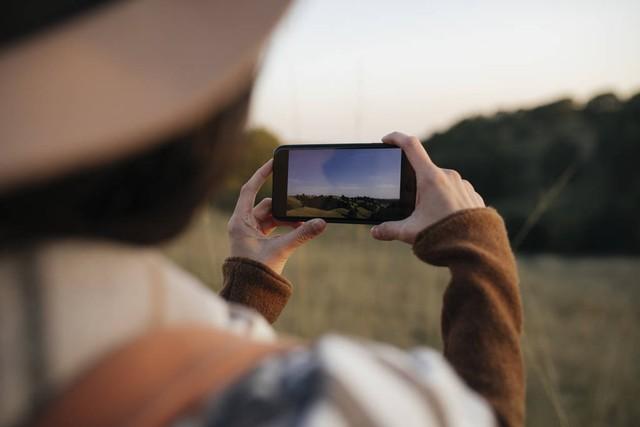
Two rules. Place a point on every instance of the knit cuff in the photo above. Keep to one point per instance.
(483, 227)
(255, 285)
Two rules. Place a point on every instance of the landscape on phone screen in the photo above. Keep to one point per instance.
(362, 184)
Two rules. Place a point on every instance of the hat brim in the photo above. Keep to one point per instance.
(114, 81)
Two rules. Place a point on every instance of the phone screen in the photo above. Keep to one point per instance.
(346, 184)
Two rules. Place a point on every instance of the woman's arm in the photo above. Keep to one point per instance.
(482, 313)
(252, 275)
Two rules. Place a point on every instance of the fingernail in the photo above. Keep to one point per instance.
(316, 224)
(374, 230)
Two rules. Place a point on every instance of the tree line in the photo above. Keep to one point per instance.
(574, 166)
(565, 176)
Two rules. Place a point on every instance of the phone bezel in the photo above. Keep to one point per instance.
(281, 170)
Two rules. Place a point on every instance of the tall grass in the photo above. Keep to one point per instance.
(581, 344)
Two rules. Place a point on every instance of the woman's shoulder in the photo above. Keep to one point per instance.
(98, 295)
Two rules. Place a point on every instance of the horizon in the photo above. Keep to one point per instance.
(341, 195)
(328, 77)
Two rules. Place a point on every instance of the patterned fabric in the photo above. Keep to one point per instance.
(343, 382)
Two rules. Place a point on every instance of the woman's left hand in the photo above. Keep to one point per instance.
(250, 227)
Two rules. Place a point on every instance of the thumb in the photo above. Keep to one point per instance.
(387, 231)
(303, 234)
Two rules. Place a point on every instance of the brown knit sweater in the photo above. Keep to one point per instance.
(481, 315)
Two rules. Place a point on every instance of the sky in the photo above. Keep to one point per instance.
(354, 70)
(364, 172)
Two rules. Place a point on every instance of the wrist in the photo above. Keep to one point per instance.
(256, 285)
(275, 265)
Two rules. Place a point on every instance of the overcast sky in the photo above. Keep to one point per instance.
(353, 70)
(367, 172)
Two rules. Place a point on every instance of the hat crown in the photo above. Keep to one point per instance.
(121, 78)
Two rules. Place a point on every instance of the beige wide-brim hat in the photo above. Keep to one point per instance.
(115, 80)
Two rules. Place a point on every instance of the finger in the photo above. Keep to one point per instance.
(387, 230)
(452, 173)
(479, 200)
(262, 210)
(471, 193)
(307, 231)
(248, 192)
(469, 190)
(264, 217)
(267, 225)
(413, 149)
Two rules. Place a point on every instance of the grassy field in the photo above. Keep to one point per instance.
(581, 342)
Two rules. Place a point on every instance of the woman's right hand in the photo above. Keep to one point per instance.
(250, 227)
(439, 193)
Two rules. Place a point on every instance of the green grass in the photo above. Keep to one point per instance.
(581, 343)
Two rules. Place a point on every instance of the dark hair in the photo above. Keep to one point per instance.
(23, 18)
(146, 198)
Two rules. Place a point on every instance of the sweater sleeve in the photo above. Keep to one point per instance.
(255, 285)
(482, 312)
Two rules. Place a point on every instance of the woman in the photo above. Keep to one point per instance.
(118, 119)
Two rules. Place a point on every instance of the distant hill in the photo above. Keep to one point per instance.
(331, 206)
(588, 156)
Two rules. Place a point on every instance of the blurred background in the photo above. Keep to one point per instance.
(538, 105)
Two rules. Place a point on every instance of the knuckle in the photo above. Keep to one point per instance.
(235, 225)
(452, 173)
(436, 178)
(413, 140)
(405, 141)
(301, 238)
(248, 187)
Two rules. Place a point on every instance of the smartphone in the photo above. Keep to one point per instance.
(343, 183)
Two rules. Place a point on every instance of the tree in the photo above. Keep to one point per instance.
(515, 158)
(257, 149)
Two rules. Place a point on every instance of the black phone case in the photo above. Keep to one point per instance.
(279, 187)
